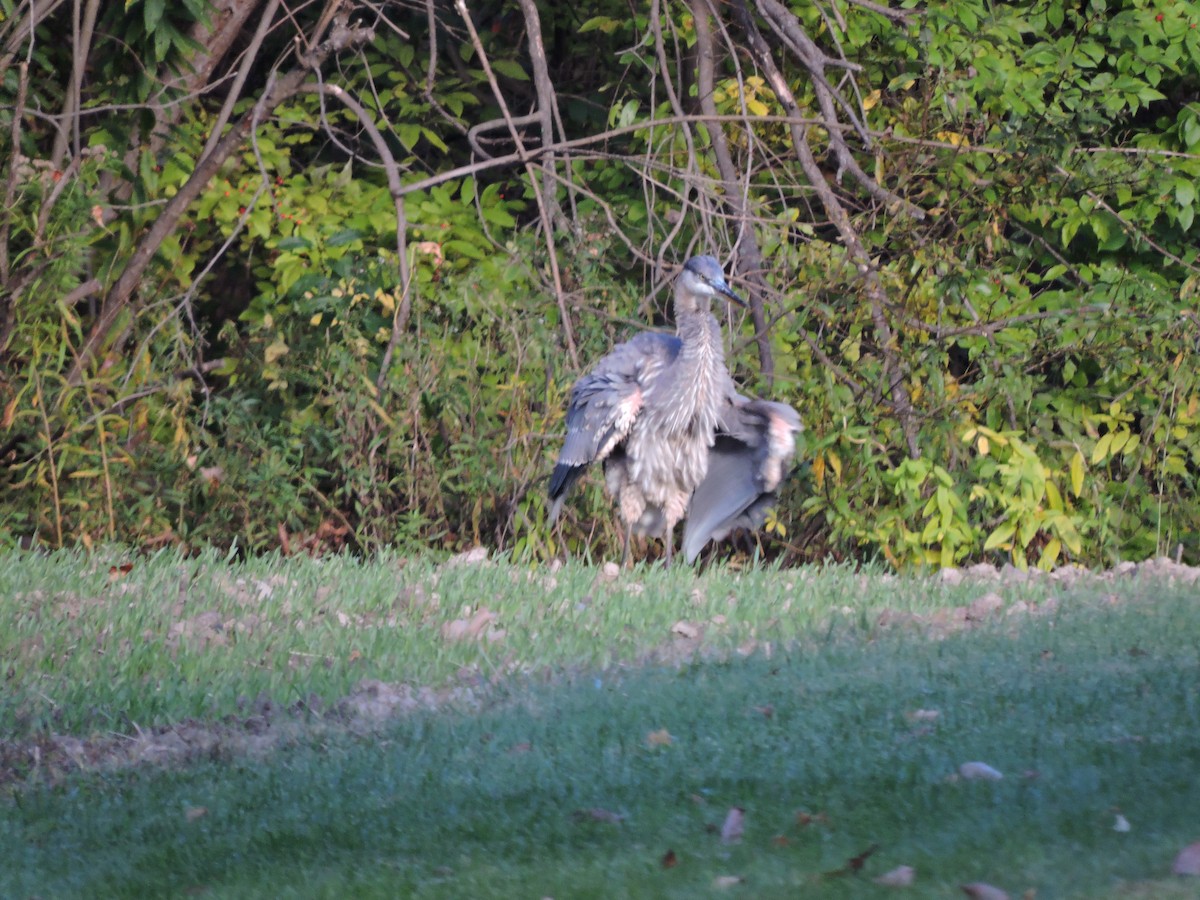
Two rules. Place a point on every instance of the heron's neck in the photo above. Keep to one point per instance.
(700, 334)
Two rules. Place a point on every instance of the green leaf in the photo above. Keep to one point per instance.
(1185, 191)
(409, 134)
(1001, 536)
(600, 23)
(345, 236)
(1185, 216)
(498, 215)
(509, 68)
(152, 13)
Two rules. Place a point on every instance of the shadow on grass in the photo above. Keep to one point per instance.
(1088, 713)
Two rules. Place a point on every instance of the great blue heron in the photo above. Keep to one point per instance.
(661, 412)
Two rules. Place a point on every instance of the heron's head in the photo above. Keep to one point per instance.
(700, 281)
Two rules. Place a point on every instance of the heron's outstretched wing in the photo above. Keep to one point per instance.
(747, 463)
(604, 405)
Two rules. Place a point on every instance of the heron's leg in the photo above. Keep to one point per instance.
(628, 539)
(669, 541)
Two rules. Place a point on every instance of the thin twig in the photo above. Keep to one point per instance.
(544, 204)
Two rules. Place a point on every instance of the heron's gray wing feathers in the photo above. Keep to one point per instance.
(746, 465)
(604, 405)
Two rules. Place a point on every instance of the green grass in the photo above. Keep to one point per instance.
(1098, 702)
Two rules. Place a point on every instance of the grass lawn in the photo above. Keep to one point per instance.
(299, 728)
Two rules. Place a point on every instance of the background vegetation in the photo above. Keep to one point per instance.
(312, 275)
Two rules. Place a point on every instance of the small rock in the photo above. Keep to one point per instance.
(983, 572)
(979, 771)
(1011, 574)
(978, 890)
(685, 630)
(471, 557)
(1125, 567)
(609, 571)
(984, 606)
(732, 829)
(950, 576)
(1069, 573)
(1165, 567)
(901, 876)
(1188, 860)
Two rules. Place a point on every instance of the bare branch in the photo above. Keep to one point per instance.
(247, 58)
(894, 388)
(277, 91)
(900, 16)
(544, 204)
(785, 23)
(751, 262)
(395, 188)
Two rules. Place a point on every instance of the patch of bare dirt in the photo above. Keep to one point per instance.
(260, 729)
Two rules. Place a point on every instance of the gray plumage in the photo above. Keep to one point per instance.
(651, 411)
(747, 463)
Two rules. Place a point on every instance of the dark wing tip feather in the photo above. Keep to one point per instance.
(561, 479)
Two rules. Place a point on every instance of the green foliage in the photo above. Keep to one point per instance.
(272, 381)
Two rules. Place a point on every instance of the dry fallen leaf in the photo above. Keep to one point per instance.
(1188, 860)
(115, 572)
(735, 820)
(979, 771)
(660, 738)
(780, 840)
(685, 630)
(766, 711)
(923, 715)
(804, 819)
(196, 812)
(469, 629)
(901, 876)
(854, 863)
(978, 890)
(670, 860)
(727, 881)
(522, 747)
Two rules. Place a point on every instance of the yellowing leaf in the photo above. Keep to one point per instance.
(275, 350)
(1077, 474)
(984, 445)
(757, 107)
(835, 463)
(872, 99)
(10, 411)
(315, 320)
(1100, 453)
(953, 138)
(1050, 554)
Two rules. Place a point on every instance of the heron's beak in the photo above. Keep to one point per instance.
(728, 292)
